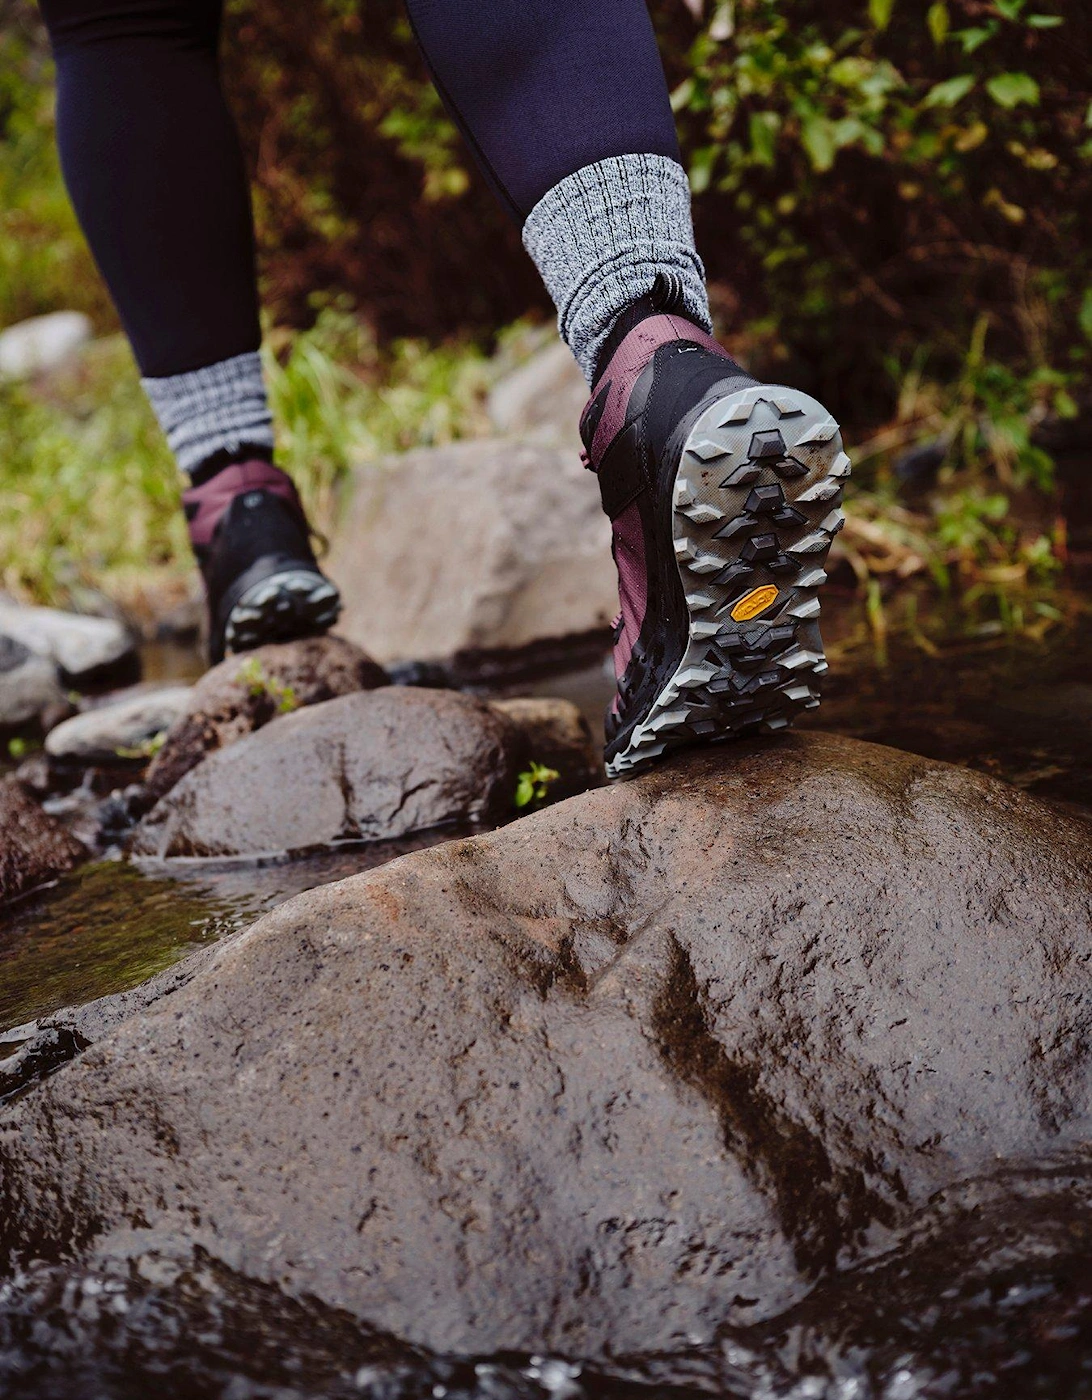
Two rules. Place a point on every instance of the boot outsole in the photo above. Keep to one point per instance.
(755, 508)
(291, 603)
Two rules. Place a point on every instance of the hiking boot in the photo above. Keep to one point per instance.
(252, 542)
(723, 494)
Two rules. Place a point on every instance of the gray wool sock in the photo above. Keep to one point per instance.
(600, 237)
(221, 407)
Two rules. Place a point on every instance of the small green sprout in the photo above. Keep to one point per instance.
(534, 783)
(147, 748)
(258, 684)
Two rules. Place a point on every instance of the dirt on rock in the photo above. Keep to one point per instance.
(661, 1057)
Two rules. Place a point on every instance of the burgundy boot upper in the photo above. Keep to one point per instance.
(206, 504)
(613, 413)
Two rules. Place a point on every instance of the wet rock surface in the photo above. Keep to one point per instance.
(986, 1296)
(371, 766)
(662, 1059)
(475, 547)
(243, 693)
(33, 845)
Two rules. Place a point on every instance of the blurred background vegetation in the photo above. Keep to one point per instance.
(892, 200)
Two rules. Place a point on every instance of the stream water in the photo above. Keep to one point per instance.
(981, 1298)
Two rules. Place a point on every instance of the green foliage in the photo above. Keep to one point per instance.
(983, 531)
(533, 784)
(892, 172)
(89, 495)
(88, 491)
(44, 262)
(260, 686)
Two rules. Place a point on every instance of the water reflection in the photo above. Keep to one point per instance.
(110, 926)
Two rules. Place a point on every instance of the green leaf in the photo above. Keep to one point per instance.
(937, 20)
(972, 39)
(763, 128)
(948, 93)
(1010, 89)
(683, 95)
(533, 784)
(1084, 316)
(879, 12)
(1065, 405)
(1009, 9)
(1044, 21)
(818, 136)
(701, 168)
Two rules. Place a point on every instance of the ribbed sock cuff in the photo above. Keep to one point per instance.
(601, 236)
(219, 408)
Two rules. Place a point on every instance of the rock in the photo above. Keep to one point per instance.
(542, 399)
(557, 736)
(45, 1052)
(665, 1055)
(244, 692)
(85, 649)
(57, 712)
(36, 774)
(371, 766)
(105, 733)
(33, 846)
(42, 344)
(28, 684)
(480, 546)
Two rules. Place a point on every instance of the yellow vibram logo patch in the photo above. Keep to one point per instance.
(751, 604)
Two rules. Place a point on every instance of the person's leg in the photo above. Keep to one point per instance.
(153, 166)
(722, 492)
(566, 108)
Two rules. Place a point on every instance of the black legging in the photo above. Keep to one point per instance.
(540, 88)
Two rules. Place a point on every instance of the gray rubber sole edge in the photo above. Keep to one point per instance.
(289, 604)
(756, 506)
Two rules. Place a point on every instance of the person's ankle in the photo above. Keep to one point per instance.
(206, 502)
(233, 457)
(665, 297)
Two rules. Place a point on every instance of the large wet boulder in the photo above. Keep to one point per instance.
(478, 547)
(245, 692)
(371, 766)
(34, 847)
(662, 1056)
